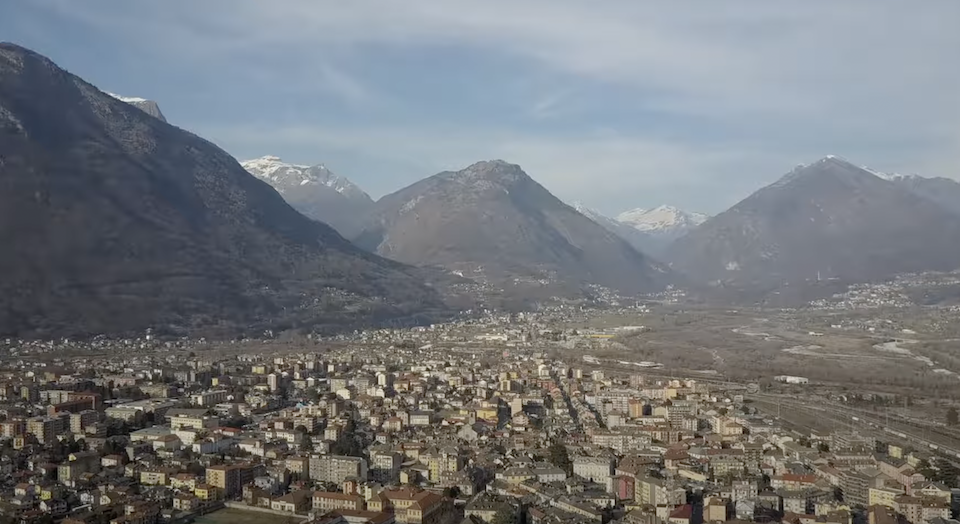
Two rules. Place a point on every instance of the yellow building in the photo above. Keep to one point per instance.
(516, 475)
(206, 492)
(184, 481)
(229, 478)
(883, 496)
(488, 413)
(412, 506)
(439, 463)
(156, 476)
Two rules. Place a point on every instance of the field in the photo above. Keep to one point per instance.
(237, 516)
(897, 351)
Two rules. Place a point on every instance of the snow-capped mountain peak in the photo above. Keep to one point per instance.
(147, 106)
(895, 177)
(662, 219)
(285, 176)
(586, 211)
(128, 99)
(609, 223)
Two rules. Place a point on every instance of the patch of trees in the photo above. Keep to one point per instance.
(558, 456)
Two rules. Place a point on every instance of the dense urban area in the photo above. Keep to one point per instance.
(531, 418)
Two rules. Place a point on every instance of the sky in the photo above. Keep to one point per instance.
(618, 104)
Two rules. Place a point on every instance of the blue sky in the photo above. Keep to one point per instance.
(619, 104)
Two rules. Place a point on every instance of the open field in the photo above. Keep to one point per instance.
(901, 351)
(237, 516)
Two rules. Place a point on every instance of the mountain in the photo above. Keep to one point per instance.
(316, 192)
(636, 238)
(660, 226)
(665, 221)
(943, 191)
(494, 223)
(147, 106)
(827, 220)
(112, 221)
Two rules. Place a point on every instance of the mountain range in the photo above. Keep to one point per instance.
(666, 221)
(112, 220)
(492, 222)
(945, 192)
(830, 220)
(316, 192)
(640, 241)
(115, 221)
(649, 231)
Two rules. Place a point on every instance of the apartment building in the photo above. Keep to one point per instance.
(337, 468)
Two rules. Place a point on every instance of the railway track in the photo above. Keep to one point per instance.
(874, 424)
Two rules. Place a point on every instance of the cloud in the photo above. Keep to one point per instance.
(702, 96)
(610, 171)
(550, 104)
(712, 58)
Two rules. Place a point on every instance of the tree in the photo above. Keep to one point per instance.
(348, 443)
(558, 456)
(451, 492)
(953, 418)
(307, 445)
(504, 515)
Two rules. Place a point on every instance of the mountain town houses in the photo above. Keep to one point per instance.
(428, 436)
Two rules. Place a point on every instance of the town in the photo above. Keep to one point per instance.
(427, 426)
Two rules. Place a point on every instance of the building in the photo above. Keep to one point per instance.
(547, 473)
(77, 464)
(230, 479)
(328, 501)
(413, 506)
(192, 419)
(385, 466)
(79, 421)
(856, 485)
(850, 440)
(594, 469)
(296, 502)
(157, 476)
(790, 379)
(13, 428)
(209, 398)
(441, 461)
(715, 510)
(337, 468)
(883, 496)
(45, 429)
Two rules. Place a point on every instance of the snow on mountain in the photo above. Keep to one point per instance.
(284, 177)
(591, 213)
(315, 191)
(128, 99)
(662, 220)
(147, 106)
(895, 177)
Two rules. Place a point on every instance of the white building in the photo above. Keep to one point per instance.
(790, 379)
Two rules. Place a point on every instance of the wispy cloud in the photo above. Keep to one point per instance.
(712, 97)
(612, 172)
(348, 88)
(549, 105)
